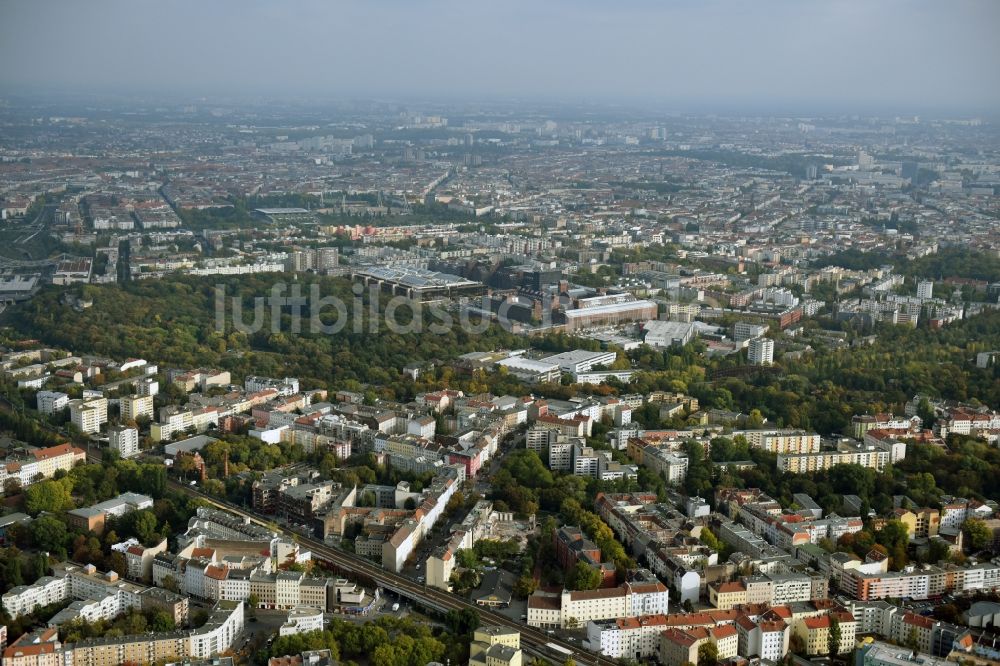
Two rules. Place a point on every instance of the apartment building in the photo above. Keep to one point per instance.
(24, 599)
(638, 637)
(441, 562)
(725, 596)
(99, 596)
(38, 648)
(744, 330)
(765, 636)
(572, 546)
(805, 463)
(861, 424)
(124, 440)
(782, 441)
(217, 635)
(173, 421)
(760, 351)
(45, 462)
(391, 534)
(920, 523)
(139, 558)
(547, 609)
(772, 589)
(495, 646)
(868, 582)
(202, 379)
(51, 402)
(680, 646)
(88, 414)
(300, 503)
(628, 637)
(667, 464)
(134, 407)
(967, 421)
(538, 438)
(285, 387)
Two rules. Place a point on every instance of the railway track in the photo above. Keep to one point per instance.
(533, 638)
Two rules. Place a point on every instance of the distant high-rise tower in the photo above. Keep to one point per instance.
(865, 161)
(811, 172)
(925, 289)
(761, 351)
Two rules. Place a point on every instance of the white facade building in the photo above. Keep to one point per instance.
(761, 351)
(124, 440)
(302, 619)
(88, 414)
(50, 402)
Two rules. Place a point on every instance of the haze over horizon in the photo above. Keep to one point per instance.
(848, 54)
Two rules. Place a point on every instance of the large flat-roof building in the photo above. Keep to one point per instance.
(530, 370)
(275, 215)
(580, 360)
(610, 315)
(878, 653)
(668, 333)
(18, 287)
(419, 284)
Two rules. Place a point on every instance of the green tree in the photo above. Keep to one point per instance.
(583, 577)
(12, 486)
(895, 537)
(144, 526)
(161, 621)
(49, 496)
(937, 550)
(710, 539)
(833, 637)
(41, 565)
(170, 583)
(117, 563)
(12, 569)
(979, 536)
(462, 622)
(456, 502)
(466, 557)
(524, 586)
(708, 654)
(49, 533)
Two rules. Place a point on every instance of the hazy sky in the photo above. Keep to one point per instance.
(843, 53)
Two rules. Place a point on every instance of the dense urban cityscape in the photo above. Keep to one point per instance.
(397, 381)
